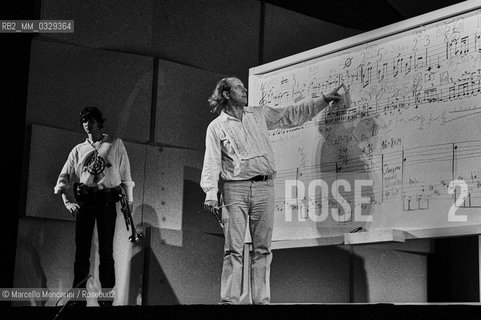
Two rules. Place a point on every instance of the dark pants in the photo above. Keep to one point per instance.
(105, 215)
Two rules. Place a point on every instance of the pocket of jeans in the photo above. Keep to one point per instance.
(224, 217)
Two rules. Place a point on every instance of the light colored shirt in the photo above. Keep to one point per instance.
(104, 163)
(240, 150)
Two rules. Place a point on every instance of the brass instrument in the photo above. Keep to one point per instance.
(135, 238)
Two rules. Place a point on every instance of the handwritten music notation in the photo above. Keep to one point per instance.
(409, 119)
(388, 83)
(416, 176)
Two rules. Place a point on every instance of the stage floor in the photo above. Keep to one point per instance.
(385, 311)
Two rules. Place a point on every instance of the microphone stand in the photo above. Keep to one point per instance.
(78, 285)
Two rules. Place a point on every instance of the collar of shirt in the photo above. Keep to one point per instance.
(224, 116)
(104, 138)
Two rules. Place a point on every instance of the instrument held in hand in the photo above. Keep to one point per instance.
(135, 237)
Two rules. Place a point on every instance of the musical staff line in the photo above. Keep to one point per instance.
(386, 174)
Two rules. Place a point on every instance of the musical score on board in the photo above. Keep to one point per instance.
(400, 150)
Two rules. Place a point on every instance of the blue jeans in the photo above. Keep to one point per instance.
(254, 202)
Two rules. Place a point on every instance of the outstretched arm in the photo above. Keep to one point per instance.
(293, 116)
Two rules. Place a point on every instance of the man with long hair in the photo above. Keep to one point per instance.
(239, 153)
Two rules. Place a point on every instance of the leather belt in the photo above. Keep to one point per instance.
(106, 196)
(256, 178)
(260, 178)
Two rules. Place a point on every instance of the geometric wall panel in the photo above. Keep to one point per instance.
(64, 79)
(182, 111)
(122, 25)
(287, 33)
(49, 149)
(193, 33)
(189, 273)
(164, 184)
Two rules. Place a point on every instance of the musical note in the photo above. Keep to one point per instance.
(477, 42)
(366, 74)
(381, 71)
(397, 65)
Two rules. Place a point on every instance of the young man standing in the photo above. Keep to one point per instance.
(95, 172)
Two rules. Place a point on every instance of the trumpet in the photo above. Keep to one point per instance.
(135, 237)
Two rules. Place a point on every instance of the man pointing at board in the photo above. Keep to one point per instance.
(239, 152)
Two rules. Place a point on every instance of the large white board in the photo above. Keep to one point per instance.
(407, 128)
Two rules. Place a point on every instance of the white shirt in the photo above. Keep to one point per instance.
(240, 150)
(104, 163)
